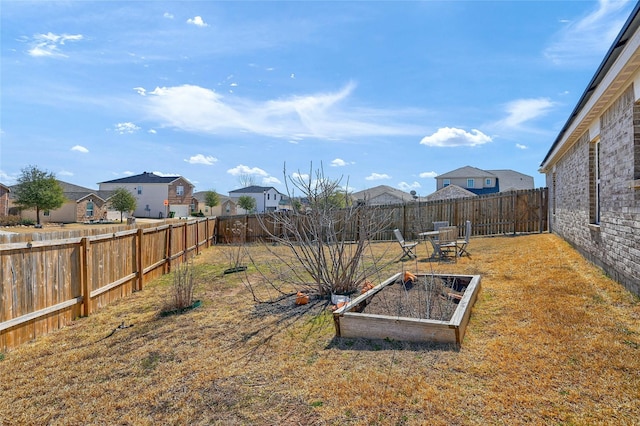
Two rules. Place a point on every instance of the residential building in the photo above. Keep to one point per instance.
(382, 195)
(156, 196)
(226, 206)
(592, 168)
(4, 200)
(449, 192)
(82, 205)
(268, 199)
(482, 182)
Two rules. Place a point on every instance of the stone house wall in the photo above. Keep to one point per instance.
(614, 242)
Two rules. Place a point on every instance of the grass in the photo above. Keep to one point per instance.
(551, 341)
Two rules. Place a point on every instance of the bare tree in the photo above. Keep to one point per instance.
(246, 180)
(329, 248)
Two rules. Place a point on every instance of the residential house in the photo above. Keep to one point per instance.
(4, 200)
(592, 168)
(82, 205)
(268, 199)
(226, 206)
(382, 195)
(449, 192)
(482, 182)
(156, 196)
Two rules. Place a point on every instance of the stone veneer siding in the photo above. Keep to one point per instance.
(614, 245)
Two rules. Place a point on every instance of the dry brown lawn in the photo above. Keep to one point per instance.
(551, 341)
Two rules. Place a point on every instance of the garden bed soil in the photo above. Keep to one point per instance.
(433, 308)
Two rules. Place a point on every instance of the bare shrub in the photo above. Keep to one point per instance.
(181, 292)
(327, 239)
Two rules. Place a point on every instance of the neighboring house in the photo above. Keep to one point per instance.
(156, 196)
(226, 206)
(82, 205)
(449, 192)
(4, 200)
(382, 195)
(593, 167)
(482, 182)
(268, 199)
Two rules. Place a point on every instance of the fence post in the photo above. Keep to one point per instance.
(139, 264)
(168, 251)
(84, 276)
(185, 239)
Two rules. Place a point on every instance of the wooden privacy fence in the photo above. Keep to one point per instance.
(46, 284)
(513, 212)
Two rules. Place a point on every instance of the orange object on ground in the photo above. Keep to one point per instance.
(302, 299)
(408, 276)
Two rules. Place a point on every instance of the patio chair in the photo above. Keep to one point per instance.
(439, 224)
(447, 243)
(463, 243)
(407, 248)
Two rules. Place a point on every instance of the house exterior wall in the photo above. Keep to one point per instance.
(4, 200)
(150, 203)
(614, 242)
(478, 182)
(65, 214)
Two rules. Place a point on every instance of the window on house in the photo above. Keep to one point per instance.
(268, 196)
(179, 190)
(594, 182)
(139, 190)
(46, 213)
(471, 183)
(487, 182)
(90, 209)
(446, 182)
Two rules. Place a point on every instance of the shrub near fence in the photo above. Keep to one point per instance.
(45, 284)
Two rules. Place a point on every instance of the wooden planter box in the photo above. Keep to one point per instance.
(351, 323)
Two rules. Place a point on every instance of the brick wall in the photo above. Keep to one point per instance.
(614, 244)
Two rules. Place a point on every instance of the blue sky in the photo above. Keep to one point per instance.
(378, 93)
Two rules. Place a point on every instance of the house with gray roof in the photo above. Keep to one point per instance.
(482, 182)
(156, 196)
(82, 205)
(268, 199)
(226, 206)
(382, 195)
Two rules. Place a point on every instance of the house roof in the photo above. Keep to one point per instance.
(617, 48)
(377, 191)
(253, 189)
(466, 172)
(146, 177)
(449, 192)
(201, 194)
(5, 187)
(76, 192)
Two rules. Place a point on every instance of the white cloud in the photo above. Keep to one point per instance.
(6, 178)
(584, 41)
(165, 174)
(197, 21)
(168, 15)
(378, 176)
(300, 176)
(246, 170)
(207, 160)
(321, 115)
(339, 162)
(523, 110)
(408, 186)
(271, 180)
(521, 146)
(123, 128)
(426, 175)
(141, 91)
(80, 148)
(65, 173)
(128, 173)
(49, 44)
(450, 136)
(152, 131)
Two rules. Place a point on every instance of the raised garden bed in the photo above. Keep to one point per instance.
(435, 308)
